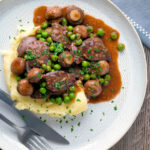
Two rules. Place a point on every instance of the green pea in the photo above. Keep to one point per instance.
(53, 70)
(93, 76)
(100, 32)
(82, 72)
(42, 90)
(25, 74)
(54, 57)
(69, 34)
(86, 77)
(43, 71)
(48, 44)
(39, 31)
(38, 36)
(78, 35)
(57, 67)
(44, 34)
(120, 47)
(49, 63)
(72, 95)
(72, 37)
(64, 22)
(70, 28)
(107, 77)
(91, 34)
(106, 83)
(85, 63)
(49, 39)
(44, 25)
(58, 100)
(44, 66)
(72, 89)
(114, 36)
(43, 84)
(101, 80)
(78, 42)
(90, 29)
(52, 48)
(48, 68)
(61, 45)
(42, 39)
(66, 99)
(52, 99)
(18, 78)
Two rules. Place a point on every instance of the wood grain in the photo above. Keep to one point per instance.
(138, 137)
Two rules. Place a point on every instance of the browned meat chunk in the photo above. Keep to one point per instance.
(53, 12)
(76, 71)
(75, 51)
(37, 95)
(18, 66)
(93, 49)
(75, 15)
(92, 88)
(24, 44)
(58, 82)
(66, 59)
(59, 35)
(82, 30)
(34, 75)
(25, 88)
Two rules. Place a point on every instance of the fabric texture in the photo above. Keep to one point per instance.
(138, 13)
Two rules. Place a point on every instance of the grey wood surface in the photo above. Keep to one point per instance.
(138, 137)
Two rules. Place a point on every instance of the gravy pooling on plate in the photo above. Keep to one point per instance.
(115, 83)
(70, 47)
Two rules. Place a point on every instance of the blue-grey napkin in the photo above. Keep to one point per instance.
(138, 12)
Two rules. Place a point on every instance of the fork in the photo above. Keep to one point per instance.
(28, 137)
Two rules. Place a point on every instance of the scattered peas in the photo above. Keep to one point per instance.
(120, 47)
(66, 99)
(44, 25)
(91, 34)
(42, 39)
(114, 36)
(72, 95)
(49, 39)
(49, 63)
(43, 84)
(42, 90)
(93, 76)
(58, 100)
(85, 63)
(100, 32)
(107, 77)
(70, 28)
(61, 45)
(48, 68)
(39, 31)
(86, 77)
(90, 29)
(38, 36)
(44, 34)
(69, 34)
(78, 42)
(18, 78)
(57, 67)
(72, 37)
(105, 83)
(54, 57)
(53, 70)
(72, 89)
(52, 99)
(44, 66)
(101, 80)
(52, 47)
(64, 22)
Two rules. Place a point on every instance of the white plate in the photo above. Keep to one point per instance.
(110, 126)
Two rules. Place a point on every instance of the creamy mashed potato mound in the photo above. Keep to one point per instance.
(76, 106)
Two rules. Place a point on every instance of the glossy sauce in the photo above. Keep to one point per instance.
(114, 87)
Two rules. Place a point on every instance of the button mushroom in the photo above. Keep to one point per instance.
(92, 88)
(66, 59)
(25, 88)
(82, 30)
(53, 12)
(74, 15)
(104, 65)
(34, 75)
(18, 66)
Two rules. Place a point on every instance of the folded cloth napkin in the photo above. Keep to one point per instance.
(138, 13)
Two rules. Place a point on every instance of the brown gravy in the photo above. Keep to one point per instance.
(114, 87)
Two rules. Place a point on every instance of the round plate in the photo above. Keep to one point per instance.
(101, 126)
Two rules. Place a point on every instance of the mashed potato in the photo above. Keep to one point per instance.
(76, 106)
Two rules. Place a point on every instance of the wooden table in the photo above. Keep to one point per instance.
(138, 137)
